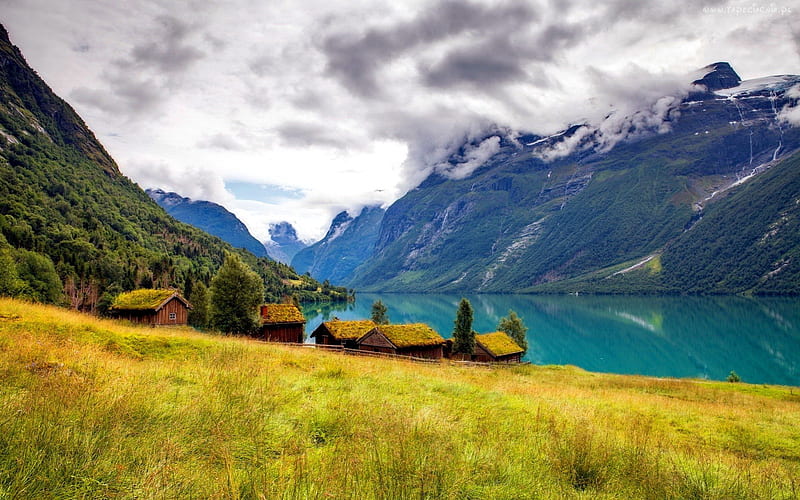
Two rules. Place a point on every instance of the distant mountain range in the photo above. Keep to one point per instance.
(219, 221)
(698, 193)
(210, 217)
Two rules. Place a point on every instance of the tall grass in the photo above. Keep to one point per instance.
(92, 408)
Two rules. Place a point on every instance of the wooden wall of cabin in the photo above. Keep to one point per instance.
(176, 307)
(283, 333)
(430, 352)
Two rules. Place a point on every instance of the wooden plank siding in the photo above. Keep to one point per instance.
(289, 333)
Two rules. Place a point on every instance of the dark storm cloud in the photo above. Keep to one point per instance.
(139, 83)
(355, 59)
(502, 58)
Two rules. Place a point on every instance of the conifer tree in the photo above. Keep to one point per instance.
(379, 313)
(236, 293)
(463, 335)
(198, 314)
(513, 326)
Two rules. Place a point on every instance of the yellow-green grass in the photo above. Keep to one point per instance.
(98, 409)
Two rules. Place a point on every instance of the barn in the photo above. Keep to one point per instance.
(417, 340)
(282, 323)
(496, 347)
(151, 307)
(344, 333)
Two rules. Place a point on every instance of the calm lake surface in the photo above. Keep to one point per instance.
(702, 337)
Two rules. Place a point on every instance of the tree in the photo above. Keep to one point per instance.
(236, 293)
(10, 284)
(198, 314)
(379, 311)
(463, 336)
(513, 326)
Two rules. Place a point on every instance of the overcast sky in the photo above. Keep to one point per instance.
(294, 110)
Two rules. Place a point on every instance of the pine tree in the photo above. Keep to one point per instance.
(513, 326)
(379, 313)
(463, 336)
(236, 293)
(198, 314)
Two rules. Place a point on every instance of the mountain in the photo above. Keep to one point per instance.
(348, 242)
(283, 243)
(210, 217)
(74, 230)
(692, 194)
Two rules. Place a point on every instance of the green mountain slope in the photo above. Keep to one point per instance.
(73, 228)
(349, 241)
(521, 223)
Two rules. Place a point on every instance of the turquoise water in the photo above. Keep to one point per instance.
(703, 337)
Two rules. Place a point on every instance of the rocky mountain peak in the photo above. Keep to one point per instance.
(718, 76)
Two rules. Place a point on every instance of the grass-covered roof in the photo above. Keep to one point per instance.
(281, 313)
(412, 335)
(498, 343)
(143, 300)
(347, 330)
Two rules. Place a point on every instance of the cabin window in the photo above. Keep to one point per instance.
(173, 316)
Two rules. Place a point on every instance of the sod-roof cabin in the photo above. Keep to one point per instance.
(496, 347)
(282, 323)
(345, 333)
(417, 340)
(151, 307)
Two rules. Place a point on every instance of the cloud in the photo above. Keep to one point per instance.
(474, 156)
(307, 134)
(197, 183)
(221, 141)
(139, 83)
(356, 59)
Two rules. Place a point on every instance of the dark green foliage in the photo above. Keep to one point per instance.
(513, 326)
(733, 377)
(41, 283)
(10, 284)
(379, 311)
(199, 313)
(463, 335)
(235, 294)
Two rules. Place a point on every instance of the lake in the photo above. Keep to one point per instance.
(701, 337)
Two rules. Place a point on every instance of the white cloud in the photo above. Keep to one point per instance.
(354, 103)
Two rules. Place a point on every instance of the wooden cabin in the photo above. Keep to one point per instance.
(152, 307)
(417, 340)
(344, 333)
(282, 323)
(496, 347)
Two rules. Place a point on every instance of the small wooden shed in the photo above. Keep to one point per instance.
(418, 340)
(282, 323)
(152, 307)
(344, 333)
(496, 347)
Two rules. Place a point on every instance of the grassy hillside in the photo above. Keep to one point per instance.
(92, 408)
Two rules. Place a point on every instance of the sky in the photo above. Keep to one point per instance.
(286, 110)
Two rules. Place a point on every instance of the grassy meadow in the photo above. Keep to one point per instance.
(92, 408)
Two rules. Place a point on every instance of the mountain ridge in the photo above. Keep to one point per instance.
(548, 210)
